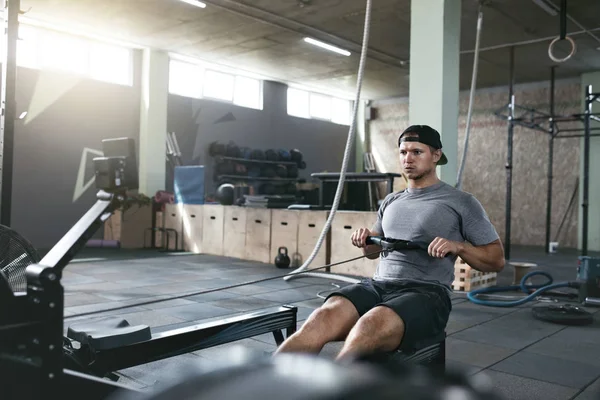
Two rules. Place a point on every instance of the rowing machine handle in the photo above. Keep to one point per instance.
(374, 240)
(396, 244)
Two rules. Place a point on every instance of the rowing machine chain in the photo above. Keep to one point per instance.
(224, 287)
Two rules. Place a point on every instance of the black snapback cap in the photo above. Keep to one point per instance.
(426, 135)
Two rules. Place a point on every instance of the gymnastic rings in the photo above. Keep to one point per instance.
(551, 49)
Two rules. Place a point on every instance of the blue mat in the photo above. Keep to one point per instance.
(189, 184)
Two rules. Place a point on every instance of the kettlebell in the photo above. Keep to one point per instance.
(282, 260)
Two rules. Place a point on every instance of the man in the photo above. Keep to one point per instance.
(409, 296)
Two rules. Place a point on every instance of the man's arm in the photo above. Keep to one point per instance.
(484, 258)
(481, 247)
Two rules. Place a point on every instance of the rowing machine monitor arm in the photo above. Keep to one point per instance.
(31, 326)
(115, 174)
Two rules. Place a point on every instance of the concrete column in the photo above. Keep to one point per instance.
(593, 243)
(362, 135)
(153, 121)
(434, 73)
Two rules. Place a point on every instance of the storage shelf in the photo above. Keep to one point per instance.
(251, 178)
(247, 161)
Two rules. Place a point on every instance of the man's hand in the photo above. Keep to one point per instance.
(359, 237)
(440, 247)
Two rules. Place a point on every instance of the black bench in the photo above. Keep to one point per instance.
(430, 351)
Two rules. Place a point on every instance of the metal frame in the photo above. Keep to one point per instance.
(8, 106)
(323, 177)
(188, 339)
(550, 124)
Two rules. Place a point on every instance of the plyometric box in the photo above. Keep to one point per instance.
(234, 232)
(342, 227)
(129, 227)
(192, 220)
(310, 226)
(213, 219)
(284, 233)
(258, 234)
(173, 224)
(467, 278)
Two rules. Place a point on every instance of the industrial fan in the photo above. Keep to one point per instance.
(16, 254)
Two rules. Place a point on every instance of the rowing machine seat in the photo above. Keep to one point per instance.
(428, 351)
(108, 333)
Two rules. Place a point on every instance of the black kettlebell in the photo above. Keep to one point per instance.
(282, 260)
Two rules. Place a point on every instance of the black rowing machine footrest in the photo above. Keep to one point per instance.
(431, 350)
(108, 333)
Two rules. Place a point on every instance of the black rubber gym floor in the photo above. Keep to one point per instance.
(525, 358)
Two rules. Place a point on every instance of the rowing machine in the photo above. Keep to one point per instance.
(37, 361)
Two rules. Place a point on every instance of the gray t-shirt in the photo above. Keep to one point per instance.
(439, 210)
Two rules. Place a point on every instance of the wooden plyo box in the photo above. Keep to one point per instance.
(160, 223)
(258, 234)
(213, 219)
(234, 231)
(284, 233)
(129, 227)
(342, 227)
(467, 279)
(310, 226)
(173, 216)
(192, 220)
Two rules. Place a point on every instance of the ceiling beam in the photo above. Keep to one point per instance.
(527, 42)
(300, 28)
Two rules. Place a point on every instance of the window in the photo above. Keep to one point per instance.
(62, 52)
(39, 48)
(110, 64)
(298, 103)
(189, 79)
(247, 92)
(27, 47)
(319, 106)
(219, 85)
(185, 79)
(341, 111)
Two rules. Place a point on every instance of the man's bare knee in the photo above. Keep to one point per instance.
(379, 329)
(333, 320)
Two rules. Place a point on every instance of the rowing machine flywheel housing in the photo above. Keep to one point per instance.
(16, 254)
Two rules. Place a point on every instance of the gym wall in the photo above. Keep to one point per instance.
(67, 119)
(485, 173)
(199, 122)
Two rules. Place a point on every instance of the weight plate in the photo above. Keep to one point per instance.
(567, 314)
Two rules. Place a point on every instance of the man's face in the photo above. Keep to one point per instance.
(417, 160)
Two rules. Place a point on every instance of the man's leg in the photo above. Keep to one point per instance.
(404, 318)
(381, 329)
(334, 319)
(330, 322)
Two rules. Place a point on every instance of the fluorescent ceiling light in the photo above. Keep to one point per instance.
(195, 3)
(327, 46)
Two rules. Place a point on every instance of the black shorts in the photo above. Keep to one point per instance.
(424, 308)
